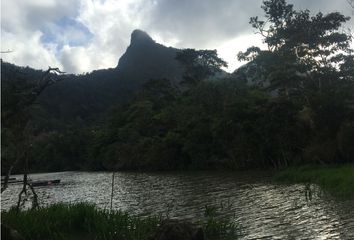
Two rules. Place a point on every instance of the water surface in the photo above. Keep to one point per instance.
(262, 209)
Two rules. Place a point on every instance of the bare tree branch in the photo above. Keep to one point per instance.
(26, 183)
(112, 192)
(45, 81)
(7, 51)
(351, 3)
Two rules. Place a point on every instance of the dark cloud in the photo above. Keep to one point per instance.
(202, 23)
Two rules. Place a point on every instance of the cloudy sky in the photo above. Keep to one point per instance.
(82, 35)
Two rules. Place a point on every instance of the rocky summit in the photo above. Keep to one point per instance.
(82, 97)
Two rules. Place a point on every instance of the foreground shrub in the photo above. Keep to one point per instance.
(86, 221)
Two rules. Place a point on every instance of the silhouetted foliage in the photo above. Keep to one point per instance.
(304, 51)
(292, 104)
(199, 64)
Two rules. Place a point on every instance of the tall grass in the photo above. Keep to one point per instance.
(63, 221)
(216, 227)
(85, 221)
(337, 180)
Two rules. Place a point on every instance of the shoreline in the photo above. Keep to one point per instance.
(337, 180)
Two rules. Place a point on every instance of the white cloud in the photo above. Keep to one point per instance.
(33, 30)
(111, 22)
(28, 50)
(75, 59)
(21, 30)
(229, 50)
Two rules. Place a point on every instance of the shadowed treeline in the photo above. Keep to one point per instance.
(291, 104)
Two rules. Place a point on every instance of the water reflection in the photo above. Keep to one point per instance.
(264, 210)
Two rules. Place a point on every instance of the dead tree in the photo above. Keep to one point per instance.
(351, 4)
(21, 110)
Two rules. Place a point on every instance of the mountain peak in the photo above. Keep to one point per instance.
(139, 36)
(145, 59)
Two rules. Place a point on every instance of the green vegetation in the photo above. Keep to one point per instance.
(339, 181)
(85, 221)
(63, 221)
(290, 105)
(217, 228)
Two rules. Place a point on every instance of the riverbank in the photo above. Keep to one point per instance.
(337, 180)
(85, 221)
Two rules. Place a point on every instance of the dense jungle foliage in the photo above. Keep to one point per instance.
(292, 104)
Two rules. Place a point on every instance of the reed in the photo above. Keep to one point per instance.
(64, 221)
(336, 180)
(216, 227)
(86, 221)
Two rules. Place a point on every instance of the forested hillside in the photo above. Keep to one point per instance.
(164, 109)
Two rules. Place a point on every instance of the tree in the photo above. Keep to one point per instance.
(18, 96)
(303, 50)
(199, 64)
(159, 91)
(21, 93)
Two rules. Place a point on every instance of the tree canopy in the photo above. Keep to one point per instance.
(304, 50)
(199, 64)
(222, 123)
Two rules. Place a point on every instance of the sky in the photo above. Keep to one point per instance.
(83, 35)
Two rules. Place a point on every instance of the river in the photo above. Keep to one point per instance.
(261, 209)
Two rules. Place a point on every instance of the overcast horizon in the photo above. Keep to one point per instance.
(83, 35)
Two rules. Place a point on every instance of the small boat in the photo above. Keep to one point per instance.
(41, 183)
(10, 179)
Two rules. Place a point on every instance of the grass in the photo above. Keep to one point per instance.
(217, 228)
(63, 221)
(85, 221)
(336, 180)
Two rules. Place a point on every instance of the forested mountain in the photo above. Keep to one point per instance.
(82, 99)
(146, 59)
(164, 109)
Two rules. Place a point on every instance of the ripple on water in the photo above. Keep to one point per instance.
(262, 209)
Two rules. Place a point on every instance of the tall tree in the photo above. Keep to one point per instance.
(199, 64)
(303, 50)
(18, 96)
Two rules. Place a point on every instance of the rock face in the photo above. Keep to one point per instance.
(83, 97)
(145, 59)
(140, 37)
(178, 230)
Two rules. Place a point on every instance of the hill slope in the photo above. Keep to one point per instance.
(81, 98)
